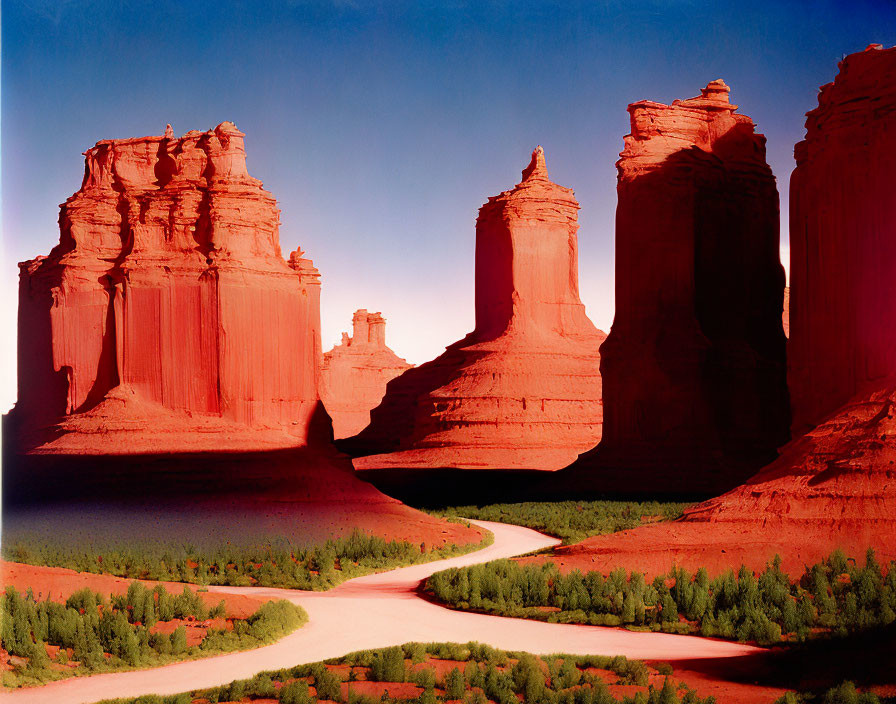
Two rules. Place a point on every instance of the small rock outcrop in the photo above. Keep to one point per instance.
(355, 372)
(523, 389)
(166, 317)
(843, 240)
(694, 375)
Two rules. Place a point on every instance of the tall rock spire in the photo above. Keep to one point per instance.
(523, 389)
(843, 239)
(695, 395)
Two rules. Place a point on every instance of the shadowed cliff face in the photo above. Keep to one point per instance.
(835, 486)
(167, 290)
(522, 391)
(843, 239)
(694, 366)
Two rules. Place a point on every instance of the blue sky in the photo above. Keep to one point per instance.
(381, 127)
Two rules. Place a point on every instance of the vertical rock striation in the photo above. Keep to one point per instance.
(523, 389)
(843, 239)
(785, 316)
(694, 366)
(168, 298)
(355, 372)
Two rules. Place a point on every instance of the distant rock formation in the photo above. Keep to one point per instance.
(523, 389)
(695, 395)
(843, 239)
(355, 372)
(167, 318)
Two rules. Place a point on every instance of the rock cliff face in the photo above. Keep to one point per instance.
(834, 487)
(785, 317)
(694, 366)
(843, 239)
(523, 389)
(355, 372)
(168, 299)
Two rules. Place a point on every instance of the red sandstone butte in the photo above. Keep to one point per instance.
(355, 372)
(695, 394)
(843, 239)
(836, 485)
(523, 390)
(166, 318)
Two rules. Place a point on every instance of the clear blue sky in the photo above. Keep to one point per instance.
(381, 127)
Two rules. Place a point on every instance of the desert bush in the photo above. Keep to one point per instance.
(94, 626)
(764, 608)
(571, 521)
(277, 562)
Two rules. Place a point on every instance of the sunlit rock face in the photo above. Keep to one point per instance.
(168, 307)
(523, 389)
(785, 316)
(843, 239)
(695, 392)
(355, 372)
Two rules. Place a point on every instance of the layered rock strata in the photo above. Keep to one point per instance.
(355, 372)
(843, 239)
(523, 389)
(695, 394)
(167, 318)
(833, 488)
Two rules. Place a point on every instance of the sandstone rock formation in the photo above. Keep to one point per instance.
(785, 316)
(695, 394)
(835, 487)
(166, 326)
(523, 389)
(843, 239)
(167, 317)
(355, 372)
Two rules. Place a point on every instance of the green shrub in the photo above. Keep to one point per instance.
(764, 608)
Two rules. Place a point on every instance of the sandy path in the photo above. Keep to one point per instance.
(381, 610)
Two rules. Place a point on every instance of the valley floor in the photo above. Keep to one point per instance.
(388, 609)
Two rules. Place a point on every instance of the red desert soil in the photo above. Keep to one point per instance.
(386, 609)
(58, 584)
(304, 495)
(833, 488)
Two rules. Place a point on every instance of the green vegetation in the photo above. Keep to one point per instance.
(105, 634)
(481, 674)
(571, 521)
(844, 693)
(276, 563)
(835, 595)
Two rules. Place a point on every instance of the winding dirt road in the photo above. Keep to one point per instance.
(381, 610)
